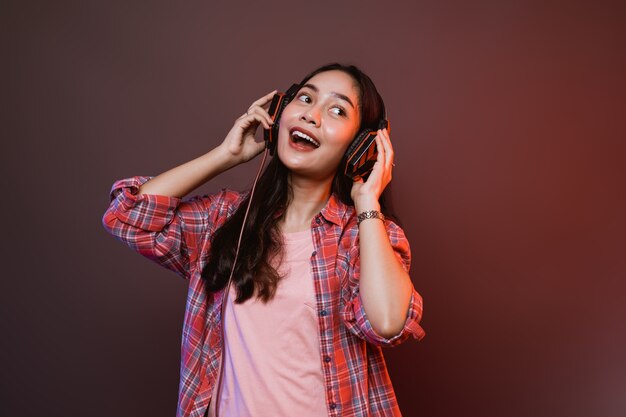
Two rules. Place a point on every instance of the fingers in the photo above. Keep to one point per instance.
(259, 113)
(258, 108)
(245, 120)
(384, 160)
(385, 146)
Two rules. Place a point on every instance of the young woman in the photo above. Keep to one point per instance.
(320, 281)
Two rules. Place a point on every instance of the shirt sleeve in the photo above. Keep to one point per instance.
(353, 313)
(167, 230)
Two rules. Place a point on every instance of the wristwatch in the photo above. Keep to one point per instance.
(371, 214)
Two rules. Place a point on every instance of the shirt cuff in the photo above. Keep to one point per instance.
(150, 212)
(356, 319)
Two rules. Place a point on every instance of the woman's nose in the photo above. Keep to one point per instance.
(311, 115)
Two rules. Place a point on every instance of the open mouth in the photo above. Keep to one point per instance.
(304, 139)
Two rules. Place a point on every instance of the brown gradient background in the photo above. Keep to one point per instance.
(508, 126)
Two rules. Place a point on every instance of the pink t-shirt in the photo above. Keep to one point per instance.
(272, 363)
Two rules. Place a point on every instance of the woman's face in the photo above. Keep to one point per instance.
(319, 123)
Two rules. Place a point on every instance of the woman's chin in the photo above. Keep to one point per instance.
(296, 161)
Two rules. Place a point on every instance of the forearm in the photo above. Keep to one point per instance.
(384, 285)
(181, 180)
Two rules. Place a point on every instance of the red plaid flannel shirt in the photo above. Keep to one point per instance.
(177, 234)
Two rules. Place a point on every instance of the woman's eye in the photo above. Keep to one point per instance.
(305, 98)
(338, 111)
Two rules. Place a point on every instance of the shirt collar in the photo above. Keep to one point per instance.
(336, 211)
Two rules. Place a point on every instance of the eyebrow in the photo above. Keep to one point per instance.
(338, 95)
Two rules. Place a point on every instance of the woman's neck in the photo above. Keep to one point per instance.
(308, 198)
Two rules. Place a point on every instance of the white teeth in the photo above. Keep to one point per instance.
(307, 137)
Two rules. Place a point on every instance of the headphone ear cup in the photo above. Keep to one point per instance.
(283, 103)
(361, 155)
(355, 143)
(279, 102)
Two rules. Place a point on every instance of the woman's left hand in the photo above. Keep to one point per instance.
(365, 194)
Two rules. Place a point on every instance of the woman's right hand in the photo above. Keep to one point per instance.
(239, 144)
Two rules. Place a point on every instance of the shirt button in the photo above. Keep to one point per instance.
(314, 253)
(323, 313)
(333, 406)
(317, 220)
(327, 359)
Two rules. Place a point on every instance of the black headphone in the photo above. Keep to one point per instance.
(361, 153)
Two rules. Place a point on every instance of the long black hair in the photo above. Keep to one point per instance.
(263, 240)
